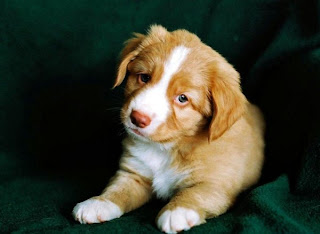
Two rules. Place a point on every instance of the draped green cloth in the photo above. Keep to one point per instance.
(60, 131)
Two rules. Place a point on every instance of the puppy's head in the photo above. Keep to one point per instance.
(177, 87)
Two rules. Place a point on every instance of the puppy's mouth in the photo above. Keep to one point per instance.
(135, 132)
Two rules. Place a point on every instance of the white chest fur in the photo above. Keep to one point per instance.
(154, 161)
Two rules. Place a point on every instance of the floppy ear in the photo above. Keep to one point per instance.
(133, 47)
(229, 103)
(128, 54)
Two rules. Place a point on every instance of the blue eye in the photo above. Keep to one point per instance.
(182, 98)
(144, 78)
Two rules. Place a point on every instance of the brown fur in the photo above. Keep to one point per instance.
(218, 136)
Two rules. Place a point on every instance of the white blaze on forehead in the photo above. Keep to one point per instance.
(173, 64)
(153, 101)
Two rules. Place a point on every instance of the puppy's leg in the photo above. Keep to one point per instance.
(125, 192)
(191, 206)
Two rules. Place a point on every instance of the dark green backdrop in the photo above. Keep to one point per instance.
(59, 127)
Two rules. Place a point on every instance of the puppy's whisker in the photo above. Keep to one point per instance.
(122, 131)
(113, 109)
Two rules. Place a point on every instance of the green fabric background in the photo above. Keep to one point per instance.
(59, 128)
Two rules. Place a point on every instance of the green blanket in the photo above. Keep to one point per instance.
(60, 132)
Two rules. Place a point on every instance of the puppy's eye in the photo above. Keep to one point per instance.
(182, 99)
(144, 78)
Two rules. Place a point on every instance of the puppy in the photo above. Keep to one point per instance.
(193, 138)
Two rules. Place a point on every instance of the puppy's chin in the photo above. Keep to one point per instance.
(137, 134)
(143, 137)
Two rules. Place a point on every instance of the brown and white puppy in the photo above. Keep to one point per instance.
(192, 138)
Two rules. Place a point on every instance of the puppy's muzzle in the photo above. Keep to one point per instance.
(140, 119)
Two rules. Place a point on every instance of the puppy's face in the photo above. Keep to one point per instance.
(176, 87)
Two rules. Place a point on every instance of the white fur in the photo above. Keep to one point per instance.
(173, 221)
(153, 161)
(153, 101)
(96, 211)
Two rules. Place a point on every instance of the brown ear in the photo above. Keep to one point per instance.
(156, 33)
(229, 103)
(128, 54)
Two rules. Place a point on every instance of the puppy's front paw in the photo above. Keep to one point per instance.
(96, 211)
(179, 219)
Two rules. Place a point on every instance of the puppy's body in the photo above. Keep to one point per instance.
(193, 137)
